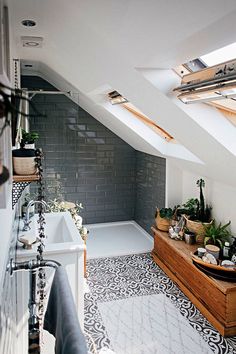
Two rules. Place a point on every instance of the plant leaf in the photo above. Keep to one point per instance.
(220, 243)
(206, 239)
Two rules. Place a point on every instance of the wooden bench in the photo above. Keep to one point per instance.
(215, 299)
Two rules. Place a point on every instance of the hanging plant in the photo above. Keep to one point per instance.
(8, 108)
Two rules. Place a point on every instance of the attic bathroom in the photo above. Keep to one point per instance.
(117, 177)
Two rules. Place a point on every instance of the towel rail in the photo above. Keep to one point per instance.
(33, 322)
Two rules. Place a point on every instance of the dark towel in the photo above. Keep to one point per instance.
(61, 317)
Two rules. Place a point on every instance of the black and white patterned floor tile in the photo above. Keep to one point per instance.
(93, 325)
(122, 277)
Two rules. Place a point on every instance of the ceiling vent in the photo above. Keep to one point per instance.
(32, 42)
(213, 83)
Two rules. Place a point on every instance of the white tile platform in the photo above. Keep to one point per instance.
(117, 239)
(149, 324)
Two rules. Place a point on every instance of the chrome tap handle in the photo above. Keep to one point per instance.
(26, 226)
(27, 214)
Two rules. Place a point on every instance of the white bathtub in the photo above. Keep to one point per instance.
(63, 244)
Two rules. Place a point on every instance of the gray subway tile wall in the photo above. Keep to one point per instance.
(150, 188)
(86, 162)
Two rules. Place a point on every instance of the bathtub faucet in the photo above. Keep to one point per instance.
(27, 218)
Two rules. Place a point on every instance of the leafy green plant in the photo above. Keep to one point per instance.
(57, 205)
(166, 213)
(216, 234)
(190, 207)
(195, 208)
(29, 137)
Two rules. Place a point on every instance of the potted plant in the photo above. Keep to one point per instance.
(217, 234)
(57, 205)
(163, 218)
(24, 161)
(24, 158)
(197, 214)
(28, 139)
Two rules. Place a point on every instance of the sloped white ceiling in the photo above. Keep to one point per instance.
(107, 43)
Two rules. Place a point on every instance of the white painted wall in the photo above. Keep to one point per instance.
(174, 182)
(181, 185)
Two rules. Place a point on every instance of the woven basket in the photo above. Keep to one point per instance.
(198, 228)
(162, 223)
(24, 166)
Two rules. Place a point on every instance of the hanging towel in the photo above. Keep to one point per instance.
(61, 317)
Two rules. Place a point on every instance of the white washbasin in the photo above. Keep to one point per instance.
(63, 244)
(60, 231)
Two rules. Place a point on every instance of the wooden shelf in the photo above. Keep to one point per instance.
(28, 178)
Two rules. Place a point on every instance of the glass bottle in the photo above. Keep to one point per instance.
(233, 251)
(226, 250)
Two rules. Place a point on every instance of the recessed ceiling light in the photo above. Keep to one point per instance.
(28, 23)
(32, 41)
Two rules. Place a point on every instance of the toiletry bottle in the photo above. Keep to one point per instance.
(233, 251)
(226, 250)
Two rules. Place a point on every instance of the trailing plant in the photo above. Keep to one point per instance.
(9, 99)
(216, 234)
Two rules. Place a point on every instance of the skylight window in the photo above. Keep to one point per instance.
(116, 98)
(211, 79)
(220, 55)
(138, 114)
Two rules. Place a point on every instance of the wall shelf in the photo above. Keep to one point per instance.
(27, 178)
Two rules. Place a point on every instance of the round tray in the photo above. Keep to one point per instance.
(216, 271)
(217, 274)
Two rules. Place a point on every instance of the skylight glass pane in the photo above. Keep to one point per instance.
(220, 55)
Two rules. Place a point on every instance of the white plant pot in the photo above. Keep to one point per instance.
(29, 146)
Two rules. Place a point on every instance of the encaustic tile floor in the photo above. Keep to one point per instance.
(132, 307)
